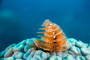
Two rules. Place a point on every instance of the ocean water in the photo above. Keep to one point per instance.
(21, 19)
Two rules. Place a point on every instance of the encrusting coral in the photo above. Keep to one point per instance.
(76, 50)
(53, 40)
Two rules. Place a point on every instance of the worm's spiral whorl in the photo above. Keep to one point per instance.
(53, 39)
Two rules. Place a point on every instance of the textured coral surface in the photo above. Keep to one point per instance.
(77, 50)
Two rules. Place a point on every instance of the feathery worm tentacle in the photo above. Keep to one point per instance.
(53, 38)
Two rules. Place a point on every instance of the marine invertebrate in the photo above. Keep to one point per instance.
(53, 40)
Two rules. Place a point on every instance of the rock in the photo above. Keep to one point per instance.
(9, 47)
(76, 50)
(32, 59)
(30, 41)
(62, 54)
(87, 57)
(72, 41)
(31, 55)
(2, 54)
(9, 58)
(59, 54)
(18, 47)
(89, 46)
(2, 59)
(44, 56)
(52, 54)
(85, 51)
(18, 55)
(37, 55)
(80, 58)
(18, 59)
(55, 58)
(22, 51)
(80, 44)
(23, 42)
(29, 51)
(8, 53)
(69, 57)
(26, 48)
(71, 53)
(68, 45)
(26, 55)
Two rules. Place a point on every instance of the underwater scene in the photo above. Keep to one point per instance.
(44, 29)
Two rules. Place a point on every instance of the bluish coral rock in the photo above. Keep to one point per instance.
(87, 57)
(18, 47)
(80, 58)
(69, 57)
(72, 41)
(17, 55)
(85, 51)
(55, 58)
(80, 44)
(9, 52)
(77, 50)
(2, 54)
(26, 48)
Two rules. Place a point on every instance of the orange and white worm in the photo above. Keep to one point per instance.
(53, 38)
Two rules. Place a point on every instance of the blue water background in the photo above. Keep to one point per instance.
(22, 19)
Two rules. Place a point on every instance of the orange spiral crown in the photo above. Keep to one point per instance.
(53, 39)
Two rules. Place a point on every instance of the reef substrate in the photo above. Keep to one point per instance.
(77, 50)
